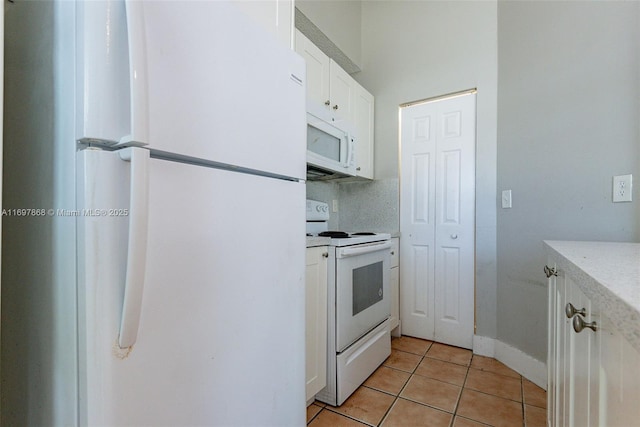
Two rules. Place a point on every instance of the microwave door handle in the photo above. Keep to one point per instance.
(360, 250)
(350, 150)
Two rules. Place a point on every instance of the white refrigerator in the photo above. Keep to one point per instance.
(189, 142)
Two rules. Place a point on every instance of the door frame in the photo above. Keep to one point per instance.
(403, 254)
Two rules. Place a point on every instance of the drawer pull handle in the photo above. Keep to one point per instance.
(571, 311)
(579, 324)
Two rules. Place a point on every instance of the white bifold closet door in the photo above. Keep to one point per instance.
(437, 220)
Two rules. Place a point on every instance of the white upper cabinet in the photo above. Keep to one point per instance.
(363, 119)
(342, 89)
(276, 16)
(330, 85)
(318, 65)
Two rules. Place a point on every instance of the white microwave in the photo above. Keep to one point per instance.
(330, 145)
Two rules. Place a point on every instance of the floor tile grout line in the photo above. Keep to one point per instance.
(454, 414)
(386, 414)
(466, 375)
(524, 419)
(349, 416)
(411, 374)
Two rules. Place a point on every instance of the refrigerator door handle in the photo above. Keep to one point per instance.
(137, 244)
(138, 96)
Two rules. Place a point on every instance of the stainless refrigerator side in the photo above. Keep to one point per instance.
(221, 333)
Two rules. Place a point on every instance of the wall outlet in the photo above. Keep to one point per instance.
(334, 206)
(622, 186)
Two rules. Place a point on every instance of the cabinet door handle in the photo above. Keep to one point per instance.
(327, 102)
(358, 168)
(579, 324)
(325, 255)
(454, 236)
(393, 252)
(550, 271)
(335, 107)
(571, 311)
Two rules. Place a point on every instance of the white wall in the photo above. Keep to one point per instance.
(413, 50)
(568, 120)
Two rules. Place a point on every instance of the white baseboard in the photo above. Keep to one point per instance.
(484, 346)
(530, 368)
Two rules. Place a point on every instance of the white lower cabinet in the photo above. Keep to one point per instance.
(316, 320)
(593, 375)
(619, 379)
(394, 282)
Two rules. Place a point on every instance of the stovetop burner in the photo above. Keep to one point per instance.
(334, 234)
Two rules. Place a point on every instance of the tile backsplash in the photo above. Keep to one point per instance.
(362, 205)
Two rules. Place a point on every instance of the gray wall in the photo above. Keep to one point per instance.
(339, 20)
(413, 50)
(557, 106)
(568, 120)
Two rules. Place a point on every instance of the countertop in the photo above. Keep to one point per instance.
(324, 241)
(317, 241)
(609, 275)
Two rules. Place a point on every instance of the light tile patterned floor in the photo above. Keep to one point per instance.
(430, 384)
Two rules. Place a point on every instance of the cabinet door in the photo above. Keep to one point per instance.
(551, 346)
(342, 93)
(394, 282)
(316, 320)
(620, 378)
(561, 414)
(364, 131)
(583, 362)
(317, 69)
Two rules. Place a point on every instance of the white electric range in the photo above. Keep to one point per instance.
(359, 336)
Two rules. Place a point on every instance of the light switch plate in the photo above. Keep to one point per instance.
(622, 186)
(506, 199)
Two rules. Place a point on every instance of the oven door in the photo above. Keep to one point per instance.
(362, 290)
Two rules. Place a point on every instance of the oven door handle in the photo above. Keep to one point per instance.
(363, 249)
